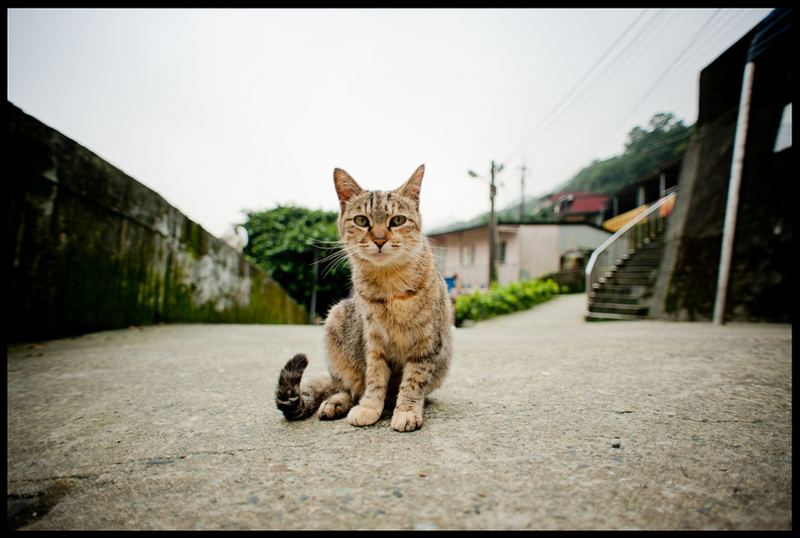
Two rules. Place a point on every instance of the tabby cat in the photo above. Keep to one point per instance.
(391, 342)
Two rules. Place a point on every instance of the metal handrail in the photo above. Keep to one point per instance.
(610, 255)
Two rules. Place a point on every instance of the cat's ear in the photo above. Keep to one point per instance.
(346, 186)
(411, 188)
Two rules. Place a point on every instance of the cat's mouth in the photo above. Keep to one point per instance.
(379, 257)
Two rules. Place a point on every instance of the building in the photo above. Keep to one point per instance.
(627, 203)
(579, 206)
(525, 251)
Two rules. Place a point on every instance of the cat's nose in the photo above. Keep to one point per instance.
(380, 241)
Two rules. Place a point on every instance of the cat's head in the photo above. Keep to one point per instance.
(381, 228)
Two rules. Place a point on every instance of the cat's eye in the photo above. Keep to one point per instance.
(361, 220)
(398, 220)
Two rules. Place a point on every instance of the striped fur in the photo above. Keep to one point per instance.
(391, 342)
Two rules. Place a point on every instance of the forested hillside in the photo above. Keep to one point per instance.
(644, 150)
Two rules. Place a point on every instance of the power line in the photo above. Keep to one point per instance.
(701, 48)
(633, 49)
(655, 84)
(729, 23)
(575, 87)
(635, 53)
(664, 85)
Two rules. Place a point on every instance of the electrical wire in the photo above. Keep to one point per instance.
(701, 40)
(611, 75)
(672, 78)
(725, 28)
(577, 84)
(732, 24)
(652, 87)
(566, 96)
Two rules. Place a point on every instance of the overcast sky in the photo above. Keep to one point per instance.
(221, 111)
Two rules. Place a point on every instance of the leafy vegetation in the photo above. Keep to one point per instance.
(506, 299)
(644, 151)
(283, 242)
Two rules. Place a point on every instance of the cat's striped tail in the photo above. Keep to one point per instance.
(298, 402)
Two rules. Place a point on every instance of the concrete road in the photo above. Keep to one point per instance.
(545, 422)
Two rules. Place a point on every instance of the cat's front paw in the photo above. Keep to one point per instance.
(362, 416)
(406, 421)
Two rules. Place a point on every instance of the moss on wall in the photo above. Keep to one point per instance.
(759, 287)
(92, 249)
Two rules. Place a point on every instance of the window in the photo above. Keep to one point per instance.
(502, 257)
(467, 254)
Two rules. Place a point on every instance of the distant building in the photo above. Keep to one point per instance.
(629, 201)
(579, 206)
(525, 251)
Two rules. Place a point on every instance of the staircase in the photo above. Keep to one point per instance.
(621, 273)
(625, 294)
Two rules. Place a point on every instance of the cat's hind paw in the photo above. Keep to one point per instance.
(362, 416)
(335, 407)
(406, 421)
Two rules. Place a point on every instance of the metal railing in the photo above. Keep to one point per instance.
(610, 255)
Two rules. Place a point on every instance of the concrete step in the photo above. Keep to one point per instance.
(613, 299)
(636, 259)
(641, 279)
(636, 268)
(611, 290)
(619, 297)
(616, 308)
(599, 316)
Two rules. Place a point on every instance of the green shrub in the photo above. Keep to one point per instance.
(505, 299)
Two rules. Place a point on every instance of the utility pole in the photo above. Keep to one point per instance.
(492, 226)
(522, 190)
(493, 234)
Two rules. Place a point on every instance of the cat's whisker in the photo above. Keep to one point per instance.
(335, 260)
(337, 253)
(332, 268)
(323, 244)
(330, 248)
(318, 243)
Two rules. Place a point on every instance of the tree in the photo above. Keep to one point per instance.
(663, 130)
(644, 150)
(283, 242)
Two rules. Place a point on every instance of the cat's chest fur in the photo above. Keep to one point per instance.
(396, 309)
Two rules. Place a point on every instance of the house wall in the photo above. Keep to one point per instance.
(508, 271)
(539, 250)
(532, 250)
(473, 274)
(91, 249)
(577, 237)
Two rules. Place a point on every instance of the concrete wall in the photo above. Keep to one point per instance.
(90, 248)
(759, 288)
